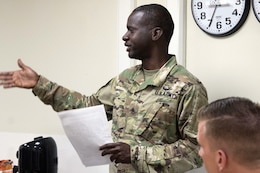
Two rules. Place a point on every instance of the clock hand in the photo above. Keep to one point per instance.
(213, 15)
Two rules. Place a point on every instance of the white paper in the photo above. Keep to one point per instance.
(87, 129)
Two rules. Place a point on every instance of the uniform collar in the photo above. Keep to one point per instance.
(159, 77)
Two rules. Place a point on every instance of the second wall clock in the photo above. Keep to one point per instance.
(256, 8)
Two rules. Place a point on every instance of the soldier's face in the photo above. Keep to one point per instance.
(138, 36)
(206, 152)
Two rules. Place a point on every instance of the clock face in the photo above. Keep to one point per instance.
(220, 17)
(256, 8)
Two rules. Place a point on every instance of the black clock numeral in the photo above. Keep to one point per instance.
(199, 5)
(238, 2)
(235, 12)
(228, 21)
(202, 15)
(218, 25)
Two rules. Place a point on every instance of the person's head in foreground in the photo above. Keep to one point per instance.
(229, 136)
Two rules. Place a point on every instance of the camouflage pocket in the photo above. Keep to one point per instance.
(156, 122)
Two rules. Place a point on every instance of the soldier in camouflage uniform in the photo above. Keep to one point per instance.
(229, 135)
(152, 106)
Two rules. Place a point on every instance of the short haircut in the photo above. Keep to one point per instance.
(233, 125)
(158, 16)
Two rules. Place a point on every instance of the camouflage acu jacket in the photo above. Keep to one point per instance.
(157, 117)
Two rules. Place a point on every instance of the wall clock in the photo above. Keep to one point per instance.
(256, 8)
(220, 17)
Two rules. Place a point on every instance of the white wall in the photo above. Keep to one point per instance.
(72, 42)
(227, 66)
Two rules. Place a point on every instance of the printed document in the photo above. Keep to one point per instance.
(87, 129)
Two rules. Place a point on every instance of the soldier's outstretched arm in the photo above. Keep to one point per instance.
(26, 77)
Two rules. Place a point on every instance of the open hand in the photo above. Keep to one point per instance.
(23, 78)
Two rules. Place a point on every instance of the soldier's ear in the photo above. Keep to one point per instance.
(221, 160)
(157, 33)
